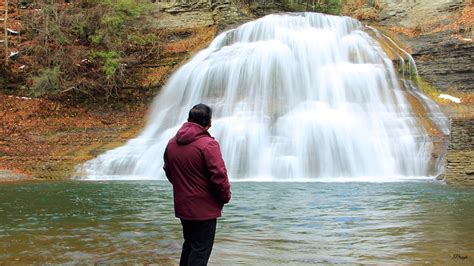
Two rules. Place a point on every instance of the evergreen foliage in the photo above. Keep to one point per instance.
(90, 41)
(47, 81)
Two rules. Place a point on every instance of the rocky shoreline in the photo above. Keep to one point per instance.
(8, 176)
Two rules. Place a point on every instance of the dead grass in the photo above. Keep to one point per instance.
(466, 18)
(461, 22)
(195, 39)
(468, 99)
(405, 31)
(362, 9)
(154, 76)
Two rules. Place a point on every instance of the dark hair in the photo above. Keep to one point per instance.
(200, 114)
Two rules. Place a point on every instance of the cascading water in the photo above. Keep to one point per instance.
(301, 96)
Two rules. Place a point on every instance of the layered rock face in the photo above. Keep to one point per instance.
(460, 155)
(228, 13)
(415, 13)
(444, 60)
(200, 13)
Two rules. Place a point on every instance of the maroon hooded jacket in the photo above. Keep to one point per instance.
(194, 165)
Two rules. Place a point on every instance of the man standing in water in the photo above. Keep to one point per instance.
(193, 164)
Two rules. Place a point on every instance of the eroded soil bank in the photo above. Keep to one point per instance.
(45, 139)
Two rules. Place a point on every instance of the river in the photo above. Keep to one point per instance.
(266, 223)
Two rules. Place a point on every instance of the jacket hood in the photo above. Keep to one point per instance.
(190, 132)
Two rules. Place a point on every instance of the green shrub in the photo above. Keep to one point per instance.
(116, 17)
(131, 8)
(142, 39)
(47, 82)
(331, 7)
(109, 60)
(79, 28)
(82, 48)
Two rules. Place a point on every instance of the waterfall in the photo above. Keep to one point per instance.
(300, 96)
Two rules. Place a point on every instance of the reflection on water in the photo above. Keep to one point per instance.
(266, 223)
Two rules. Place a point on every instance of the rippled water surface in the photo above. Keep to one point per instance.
(266, 223)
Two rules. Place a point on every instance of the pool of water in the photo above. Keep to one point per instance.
(265, 223)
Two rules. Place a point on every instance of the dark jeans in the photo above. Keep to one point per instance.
(198, 241)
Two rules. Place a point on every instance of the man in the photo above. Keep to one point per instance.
(193, 164)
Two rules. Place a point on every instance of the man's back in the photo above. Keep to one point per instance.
(194, 165)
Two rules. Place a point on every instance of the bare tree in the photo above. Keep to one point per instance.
(5, 19)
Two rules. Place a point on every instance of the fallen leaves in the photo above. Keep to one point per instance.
(47, 139)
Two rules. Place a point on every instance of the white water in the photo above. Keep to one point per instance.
(295, 97)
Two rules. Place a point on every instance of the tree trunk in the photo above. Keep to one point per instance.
(7, 55)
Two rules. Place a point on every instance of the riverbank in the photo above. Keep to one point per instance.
(8, 176)
(41, 138)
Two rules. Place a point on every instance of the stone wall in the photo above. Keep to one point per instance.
(460, 155)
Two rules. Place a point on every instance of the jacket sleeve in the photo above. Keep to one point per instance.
(165, 165)
(218, 172)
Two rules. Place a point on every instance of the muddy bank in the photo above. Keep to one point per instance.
(8, 176)
(46, 139)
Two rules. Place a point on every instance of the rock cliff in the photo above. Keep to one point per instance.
(444, 61)
(418, 13)
(441, 43)
(200, 13)
(460, 155)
